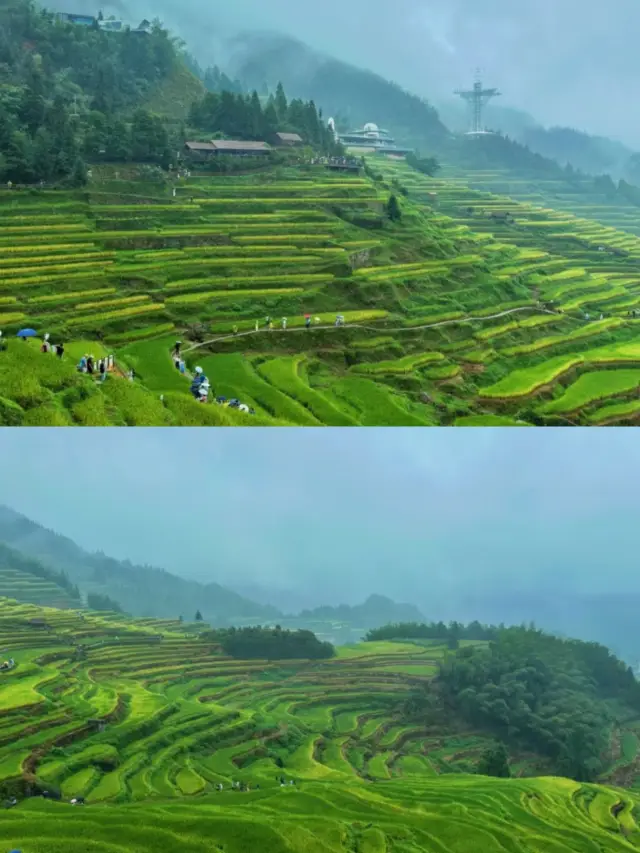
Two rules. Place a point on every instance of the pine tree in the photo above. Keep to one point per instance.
(393, 209)
(198, 616)
(281, 103)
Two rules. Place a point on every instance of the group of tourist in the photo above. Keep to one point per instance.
(268, 323)
(47, 346)
(200, 385)
(102, 366)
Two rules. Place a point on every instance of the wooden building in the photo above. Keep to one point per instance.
(290, 140)
(205, 150)
(199, 150)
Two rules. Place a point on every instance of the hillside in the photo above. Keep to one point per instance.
(502, 291)
(27, 580)
(145, 720)
(447, 311)
(140, 590)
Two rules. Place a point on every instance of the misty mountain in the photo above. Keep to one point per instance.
(353, 96)
(595, 155)
(375, 611)
(140, 590)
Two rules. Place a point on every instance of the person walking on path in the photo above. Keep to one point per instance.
(284, 323)
(60, 350)
(307, 321)
(257, 325)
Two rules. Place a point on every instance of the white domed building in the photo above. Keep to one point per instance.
(370, 139)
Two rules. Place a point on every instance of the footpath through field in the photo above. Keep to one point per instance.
(375, 328)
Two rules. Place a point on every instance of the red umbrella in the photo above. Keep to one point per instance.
(307, 316)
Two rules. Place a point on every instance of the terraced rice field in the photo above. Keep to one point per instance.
(463, 310)
(145, 720)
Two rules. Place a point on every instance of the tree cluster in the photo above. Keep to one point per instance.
(98, 601)
(543, 693)
(426, 165)
(434, 631)
(144, 139)
(270, 643)
(247, 117)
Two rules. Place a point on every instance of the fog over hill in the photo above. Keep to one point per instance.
(569, 64)
(437, 519)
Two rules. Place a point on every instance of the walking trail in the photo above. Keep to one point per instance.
(374, 328)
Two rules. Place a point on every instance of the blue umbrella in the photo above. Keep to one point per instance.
(27, 333)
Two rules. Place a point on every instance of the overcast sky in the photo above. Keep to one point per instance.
(339, 514)
(568, 62)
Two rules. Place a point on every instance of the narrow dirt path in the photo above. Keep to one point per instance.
(377, 328)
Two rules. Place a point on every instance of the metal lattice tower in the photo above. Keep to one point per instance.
(477, 98)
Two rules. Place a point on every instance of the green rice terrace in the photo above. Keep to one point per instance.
(473, 308)
(175, 746)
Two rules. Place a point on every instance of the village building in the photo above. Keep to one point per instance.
(73, 18)
(291, 140)
(110, 25)
(371, 139)
(205, 150)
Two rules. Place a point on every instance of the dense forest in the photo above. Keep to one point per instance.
(64, 90)
(558, 698)
(246, 117)
(74, 95)
(270, 643)
(434, 631)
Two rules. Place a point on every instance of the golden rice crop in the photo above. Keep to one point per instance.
(228, 261)
(72, 294)
(114, 315)
(8, 300)
(124, 301)
(44, 259)
(326, 200)
(283, 238)
(138, 334)
(237, 250)
(142, 208)
(234, 294)
(60, 268)
(34, 281)
(297, 278)
(35, 248)
(11, 317)
(65, 226)
(400, 365)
